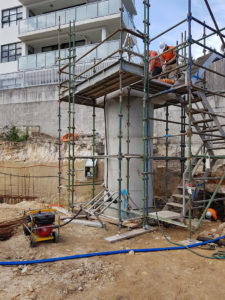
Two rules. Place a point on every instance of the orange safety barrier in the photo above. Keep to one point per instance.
(74, 137)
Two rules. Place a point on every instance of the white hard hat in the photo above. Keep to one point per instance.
(208, 215)
(162, 45)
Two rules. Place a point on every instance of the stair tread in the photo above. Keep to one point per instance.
(216, 148)
(167, 216)
(181, 187)
(209, 130)
(174, 204)
(180, 196)
(213, 140)
(203, 121)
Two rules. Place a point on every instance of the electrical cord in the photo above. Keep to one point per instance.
(66, 223)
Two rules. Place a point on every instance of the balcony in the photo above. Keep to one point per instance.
(79, 13)
(47, 60)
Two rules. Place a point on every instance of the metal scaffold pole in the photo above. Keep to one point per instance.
(189, 114)
(69, 123)
(128, 150)
(93, 150)
(167, 151)
(146, 128)
(73, 110)
(59, 116)
(120, 123)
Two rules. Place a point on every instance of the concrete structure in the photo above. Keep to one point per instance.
(132, 118)
(29, 43)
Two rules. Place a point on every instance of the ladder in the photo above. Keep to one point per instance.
(96, 206)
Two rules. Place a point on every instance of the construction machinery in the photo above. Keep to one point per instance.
(39, 225)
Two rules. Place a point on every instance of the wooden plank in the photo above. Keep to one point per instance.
(110, 220)
(127, 223)
(135, 223)
(128, 235)
(85, 223)
(166, 214)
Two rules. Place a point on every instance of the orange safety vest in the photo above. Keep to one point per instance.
(213, 212)
(155, 62)
(168, 55)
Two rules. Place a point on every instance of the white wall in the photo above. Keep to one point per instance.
(9, 35)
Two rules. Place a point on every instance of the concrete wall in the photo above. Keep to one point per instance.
(38, 106)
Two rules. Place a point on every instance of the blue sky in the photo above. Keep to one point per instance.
(166, 13)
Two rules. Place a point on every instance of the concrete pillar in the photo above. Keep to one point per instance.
(25, 12)
(136, 144)
(24, 49)
(104, 33)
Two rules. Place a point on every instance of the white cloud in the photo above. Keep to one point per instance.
(167, 13)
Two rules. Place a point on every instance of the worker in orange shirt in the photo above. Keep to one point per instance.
(169, 58)
(155, 64)
(211, 214)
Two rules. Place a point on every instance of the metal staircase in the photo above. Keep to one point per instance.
(207, 125)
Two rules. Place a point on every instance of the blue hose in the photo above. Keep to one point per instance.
(87, 255)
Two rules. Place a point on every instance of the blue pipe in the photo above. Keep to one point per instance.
(87, 255)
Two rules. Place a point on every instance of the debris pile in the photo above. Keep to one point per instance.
(213, 234)
(7, 228)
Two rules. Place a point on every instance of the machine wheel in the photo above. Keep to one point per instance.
(32, 242)
(25, 230)
(55, 237)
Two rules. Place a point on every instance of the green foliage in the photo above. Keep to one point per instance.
(13, 135)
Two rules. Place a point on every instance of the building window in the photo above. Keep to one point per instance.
(11, 15)
(11, 52)
(62, 46)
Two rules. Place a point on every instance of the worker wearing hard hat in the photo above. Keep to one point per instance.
(155, 64)
(211, 214)
(169, 58)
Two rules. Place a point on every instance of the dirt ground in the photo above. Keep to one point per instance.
(162, 275)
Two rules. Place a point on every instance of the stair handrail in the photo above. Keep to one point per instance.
(184, 181)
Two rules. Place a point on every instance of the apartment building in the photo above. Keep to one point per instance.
(29, 48)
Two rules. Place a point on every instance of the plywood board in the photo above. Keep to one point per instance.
(128, 235)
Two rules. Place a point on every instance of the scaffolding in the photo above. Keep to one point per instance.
(126, 68)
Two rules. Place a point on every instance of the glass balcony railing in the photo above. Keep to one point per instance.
(79, 13)
(46, 60)
(127, 19)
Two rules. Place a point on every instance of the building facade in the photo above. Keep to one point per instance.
(29, 39)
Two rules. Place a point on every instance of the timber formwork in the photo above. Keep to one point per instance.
(190, 94)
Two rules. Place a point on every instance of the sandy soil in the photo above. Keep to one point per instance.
(162, 275)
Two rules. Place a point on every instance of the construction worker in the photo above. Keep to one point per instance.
(211, 214)
(155, 64)
(169, 58)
